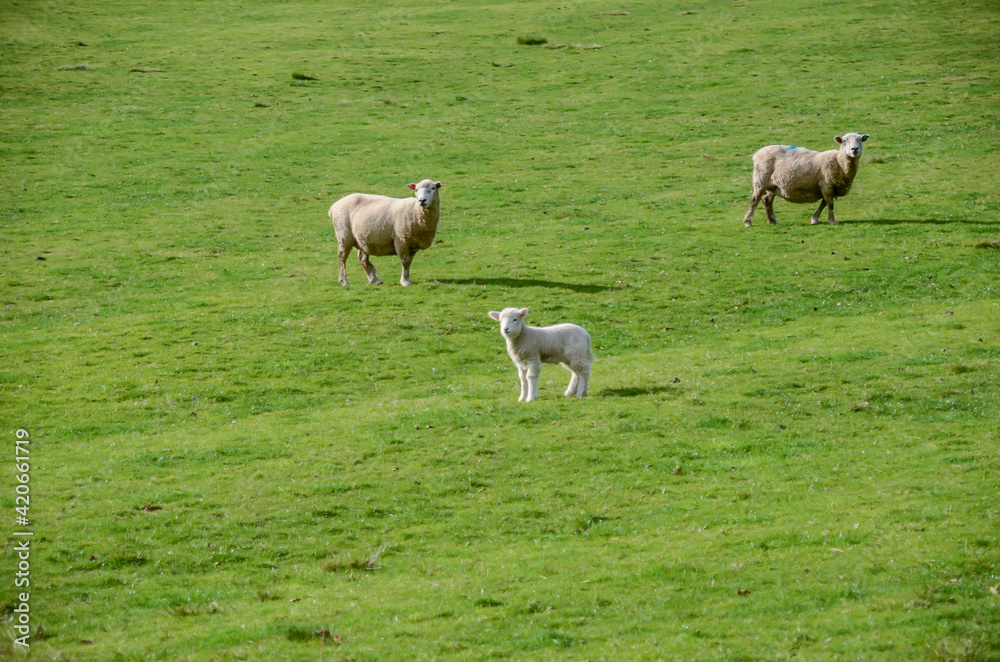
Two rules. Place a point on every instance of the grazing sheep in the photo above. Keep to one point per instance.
(802, 175)
(531, 346)
(379, 225)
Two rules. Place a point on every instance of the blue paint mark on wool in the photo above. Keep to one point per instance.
(792, 147)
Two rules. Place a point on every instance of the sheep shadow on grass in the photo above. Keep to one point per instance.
(526, 282)
(634, 391)
(915, 221)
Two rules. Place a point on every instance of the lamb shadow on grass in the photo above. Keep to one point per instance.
(634, 391)
(526, 282)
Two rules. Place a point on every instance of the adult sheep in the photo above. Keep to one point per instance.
(380, 225)
(531, 346)
(801, 175)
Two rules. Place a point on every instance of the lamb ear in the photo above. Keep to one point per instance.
(839, 139)
(865, 137)
(495, 315)
(412, 187)
(438, 184)
(523, 313)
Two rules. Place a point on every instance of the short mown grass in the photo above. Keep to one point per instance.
(790, 444)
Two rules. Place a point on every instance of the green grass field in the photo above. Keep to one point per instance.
(790, 446)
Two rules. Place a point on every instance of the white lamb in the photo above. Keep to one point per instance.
(802, 175)
(531, 346)
(380, 225)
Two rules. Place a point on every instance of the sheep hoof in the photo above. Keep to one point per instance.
(833, 222)
(343, 281)
(814, 221)
(747, 224)
(406, 283)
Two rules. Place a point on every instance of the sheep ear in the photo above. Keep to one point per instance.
(523, 313)
(839, 139)
(412, 187)
(438, 184)
(865, 137)
(495, 315)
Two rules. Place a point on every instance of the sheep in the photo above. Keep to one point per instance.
(380, 225)
(531, 346)
(801, 175)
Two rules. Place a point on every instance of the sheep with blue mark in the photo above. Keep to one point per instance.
(801, 175)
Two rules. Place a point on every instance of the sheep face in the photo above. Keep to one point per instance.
(511, 321)
(850, 144)
(426, 192)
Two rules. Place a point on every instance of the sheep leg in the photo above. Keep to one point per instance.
(769, 206)
(755, 199)
(581, 389)
(369, 268)
(405, 258)
(814, 219)
(522, 375)
(578, 382)
(531, 376)
(342, 254)
(573, 381)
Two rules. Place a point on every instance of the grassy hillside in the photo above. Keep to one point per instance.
(791, 440)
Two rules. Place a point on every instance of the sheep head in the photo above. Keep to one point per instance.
(511, 321)
(426, 192)
(850, 144)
